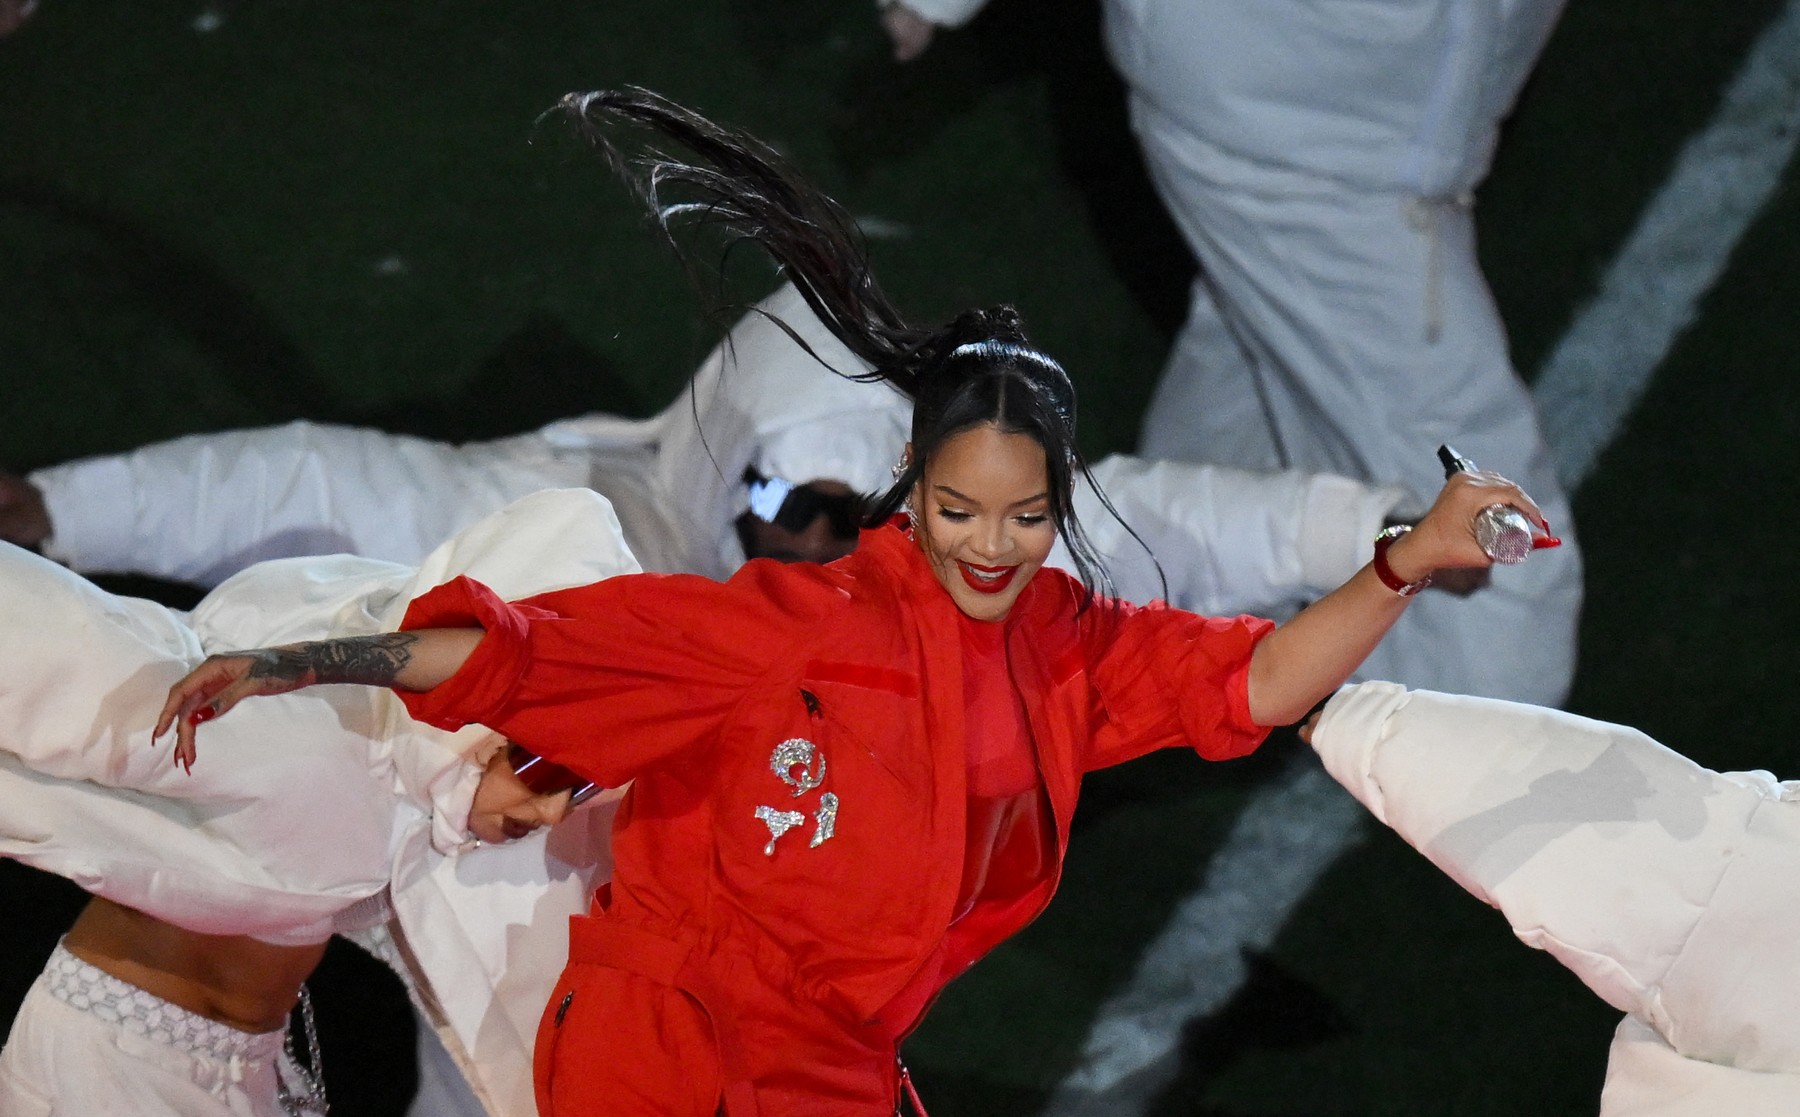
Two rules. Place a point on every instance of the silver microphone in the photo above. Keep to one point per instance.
(1502, 530)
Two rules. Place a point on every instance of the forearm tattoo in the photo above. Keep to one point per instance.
(371, 660)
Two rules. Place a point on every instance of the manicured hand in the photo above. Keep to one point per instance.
(909, 31)
(1444, 537)
(221, 682)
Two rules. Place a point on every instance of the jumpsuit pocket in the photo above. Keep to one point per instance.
(611, 1041)
(868, 709)
(549, 1038)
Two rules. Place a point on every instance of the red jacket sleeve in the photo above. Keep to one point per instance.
(613, 678)
(1166, 678)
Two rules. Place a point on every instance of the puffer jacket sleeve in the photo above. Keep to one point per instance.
(947, 13)
(1166, 678)
(203, 507)
(1661, 884)
(617, 677)
(1248, 540)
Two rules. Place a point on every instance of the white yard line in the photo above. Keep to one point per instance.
(1285, 836)
(1686, 235)
(1292, 830)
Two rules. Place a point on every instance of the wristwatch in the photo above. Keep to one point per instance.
(1383, 540)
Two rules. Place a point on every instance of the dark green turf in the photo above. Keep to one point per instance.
(331, 213)
(347, 212)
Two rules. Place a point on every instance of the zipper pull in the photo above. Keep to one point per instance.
(908, 1093)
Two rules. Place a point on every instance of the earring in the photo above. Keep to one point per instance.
(899, 471)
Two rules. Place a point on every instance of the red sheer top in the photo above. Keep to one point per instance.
(1009, 844)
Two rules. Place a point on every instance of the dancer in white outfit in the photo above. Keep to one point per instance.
(199, 508)
(333, 812)
(1321, 160)
(1666, 887)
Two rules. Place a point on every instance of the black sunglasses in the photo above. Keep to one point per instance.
(791, 507)
(541, 777)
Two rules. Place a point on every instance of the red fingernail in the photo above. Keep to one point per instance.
(1544, 542)
(204, 713)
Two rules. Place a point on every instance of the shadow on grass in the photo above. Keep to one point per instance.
(179, 289)
(166, 336)
(1272, 1011)
(539, 373)
(1173, 775)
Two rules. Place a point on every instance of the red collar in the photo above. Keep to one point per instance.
(892, 550)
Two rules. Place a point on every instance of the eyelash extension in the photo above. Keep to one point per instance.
(1030, 519)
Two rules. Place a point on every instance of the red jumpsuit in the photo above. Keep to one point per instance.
(790, 854)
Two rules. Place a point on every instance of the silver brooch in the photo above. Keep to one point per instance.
(779, 823)
(826, 818)
(793, 762)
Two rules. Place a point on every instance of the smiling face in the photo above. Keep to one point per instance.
(505, 809)
(982, 517)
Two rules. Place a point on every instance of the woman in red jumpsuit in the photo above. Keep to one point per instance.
(851, 781)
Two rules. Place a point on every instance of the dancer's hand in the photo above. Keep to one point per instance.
(1460, 581)
(24, 518)
(14, 13)
(1310, 725)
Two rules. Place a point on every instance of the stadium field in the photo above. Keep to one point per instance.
(217, 213)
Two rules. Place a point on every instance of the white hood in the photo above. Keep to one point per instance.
(758, 400)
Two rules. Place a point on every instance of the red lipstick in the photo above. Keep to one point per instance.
(969, 572)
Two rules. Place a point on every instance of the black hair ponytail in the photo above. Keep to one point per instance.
(745, 189)
(981, 368)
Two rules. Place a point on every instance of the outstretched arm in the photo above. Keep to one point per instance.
(202, 507)
(1661, 884)
(1230, 540)
(416, 660)
(1303, 661)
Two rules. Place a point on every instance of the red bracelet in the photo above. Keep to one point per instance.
(1383, 540)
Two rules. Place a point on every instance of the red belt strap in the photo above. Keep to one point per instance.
(605, 942)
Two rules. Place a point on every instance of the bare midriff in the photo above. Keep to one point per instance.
(246, 983)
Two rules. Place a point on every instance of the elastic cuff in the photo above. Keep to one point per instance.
(480, 687)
